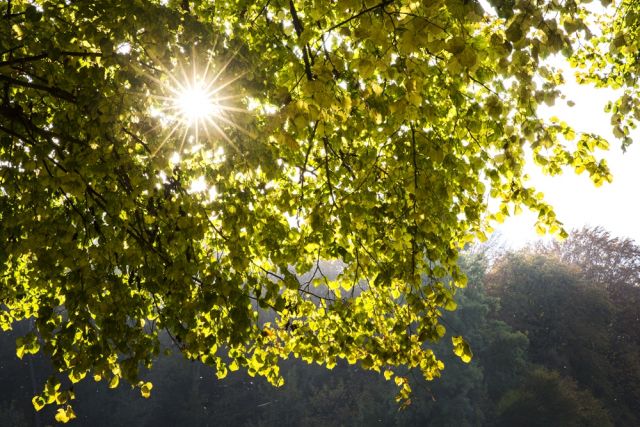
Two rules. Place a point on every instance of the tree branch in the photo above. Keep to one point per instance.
(44, 55)
(13, 61)
(359, 14)
(57, 92)
(297, 25)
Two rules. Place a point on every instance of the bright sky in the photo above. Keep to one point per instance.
(577, 202)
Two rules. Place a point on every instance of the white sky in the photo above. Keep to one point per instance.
(577, 201)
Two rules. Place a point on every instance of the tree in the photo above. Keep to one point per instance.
(612, 263)
(566, 319)
(546, 399)
(170, 165)
(574, 326)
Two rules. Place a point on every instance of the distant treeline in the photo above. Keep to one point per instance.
(555, 331)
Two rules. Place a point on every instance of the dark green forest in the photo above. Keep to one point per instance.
(554, 329)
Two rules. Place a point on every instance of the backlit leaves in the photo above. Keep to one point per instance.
(145, 389)
(461, 349)
(64, 415)
(323, 217)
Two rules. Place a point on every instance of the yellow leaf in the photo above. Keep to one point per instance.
(450, 305)
(75, 376)
(65, 415)
(20, 352)
(461, 349)
(221, 373)
(114, 381)
(145, 390)
(462, 281)
(38, 402)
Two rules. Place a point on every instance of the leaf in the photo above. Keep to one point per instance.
(468, 57)
(450, 305)
(65, 415)
(38, 402)
(115, 380)
(20, 351)
(145, 389)
(461, 349)
(514, 32)
(462, 281)
(32, 14)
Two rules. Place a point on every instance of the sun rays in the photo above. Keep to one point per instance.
(196, 105)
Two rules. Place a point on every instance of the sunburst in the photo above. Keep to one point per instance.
(195, 103)
(198, 105)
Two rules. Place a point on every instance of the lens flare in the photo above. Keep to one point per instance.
(198, 106)
(194, 103)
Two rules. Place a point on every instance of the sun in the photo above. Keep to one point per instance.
(198, 101)
(195, 102)
(198, 105)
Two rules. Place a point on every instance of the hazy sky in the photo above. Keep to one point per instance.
(577, 201)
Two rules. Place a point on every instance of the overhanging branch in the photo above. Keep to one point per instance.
(57, 92)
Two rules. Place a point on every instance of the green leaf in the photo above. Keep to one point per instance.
(461, 349)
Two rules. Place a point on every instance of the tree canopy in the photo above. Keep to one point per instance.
(368, 135)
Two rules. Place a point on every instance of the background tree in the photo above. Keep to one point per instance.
(572, 327)
(612, 263)
(368, 133)
(546, 399)
(565, 319)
